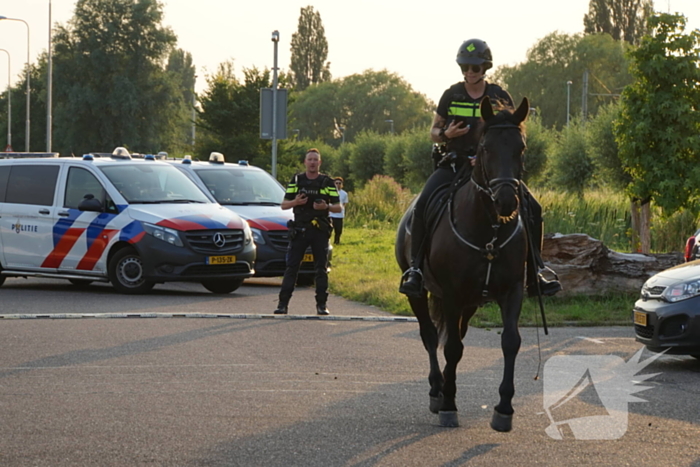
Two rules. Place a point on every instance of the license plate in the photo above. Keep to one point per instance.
(640, 318)
(221, 259)
(308, 258)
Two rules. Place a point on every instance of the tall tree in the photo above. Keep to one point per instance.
(110, 85)
(372, 101)
(309, 51)
(658, 131)
(230, 115)
(622, 19)
(559, 58)
(181, 72)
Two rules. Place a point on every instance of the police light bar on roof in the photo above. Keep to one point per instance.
(187, 159)
(120, 153)
(216, 157)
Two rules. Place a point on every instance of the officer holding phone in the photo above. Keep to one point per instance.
(454, 127)
(312, 195)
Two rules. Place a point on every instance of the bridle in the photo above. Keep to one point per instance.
(494, 185)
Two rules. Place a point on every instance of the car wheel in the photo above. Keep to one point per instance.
(305, 280)
(2, 278)
(126, 272)
(80, 282)
(222, 286)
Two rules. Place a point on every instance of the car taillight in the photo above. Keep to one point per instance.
(689, 244)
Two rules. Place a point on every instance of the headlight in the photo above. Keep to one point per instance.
(247, 234)
(161, 233)
(682, 291)
(258, 236)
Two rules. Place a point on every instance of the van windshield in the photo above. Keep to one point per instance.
(232, 186)
(153, 183)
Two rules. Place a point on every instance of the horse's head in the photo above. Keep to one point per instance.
(499, 158)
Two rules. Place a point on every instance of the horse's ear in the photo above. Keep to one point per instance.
(486, 108)
(523, 110)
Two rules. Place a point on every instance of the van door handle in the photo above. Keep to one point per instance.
(45, 211)
(64, 214)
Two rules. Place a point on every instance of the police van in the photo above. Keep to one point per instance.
(131, 222)
(256, 196)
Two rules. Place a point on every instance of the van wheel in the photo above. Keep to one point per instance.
(222, 286)
(126, 272)
(80, 282)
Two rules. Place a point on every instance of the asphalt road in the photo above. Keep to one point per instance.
(251, 389)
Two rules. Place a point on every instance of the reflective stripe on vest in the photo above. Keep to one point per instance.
(464, 109)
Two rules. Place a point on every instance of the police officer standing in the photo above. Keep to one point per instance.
(312, 195)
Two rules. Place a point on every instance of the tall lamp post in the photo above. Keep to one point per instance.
(49, 86)
(194, 110)
(568, 101)
(275, 39)
(9, 101)
(26, 144)
(392, 125)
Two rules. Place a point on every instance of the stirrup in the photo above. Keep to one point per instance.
(549, 270)
(409, 271)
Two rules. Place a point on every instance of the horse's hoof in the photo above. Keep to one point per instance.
(500, 422)
(448, 419)
(435, 404)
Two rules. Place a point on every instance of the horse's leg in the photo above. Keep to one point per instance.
(453, 354)
(510, 344)
(429, 336)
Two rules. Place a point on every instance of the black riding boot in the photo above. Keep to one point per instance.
(412, 279)
(282, 306)
(536, 282)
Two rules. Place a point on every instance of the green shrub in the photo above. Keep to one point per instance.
(380, 203)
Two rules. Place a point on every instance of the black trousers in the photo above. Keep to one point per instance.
(318, 241)
(337, 228)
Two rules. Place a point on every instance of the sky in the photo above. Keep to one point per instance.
(417, 40)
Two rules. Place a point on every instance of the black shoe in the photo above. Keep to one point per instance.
(281, 309)
(547, 288)
(322, 310)
(412, 286)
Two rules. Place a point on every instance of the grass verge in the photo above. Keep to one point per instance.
(364, 270)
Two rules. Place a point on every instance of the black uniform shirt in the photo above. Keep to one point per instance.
(322, 187)
(457, 104)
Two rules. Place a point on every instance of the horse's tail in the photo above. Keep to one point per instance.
(438, 317)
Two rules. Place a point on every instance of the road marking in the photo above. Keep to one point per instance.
(596, 341)
(398, 319)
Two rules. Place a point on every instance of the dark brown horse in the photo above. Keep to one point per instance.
(476, 254)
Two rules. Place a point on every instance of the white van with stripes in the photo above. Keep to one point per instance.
(131, 222)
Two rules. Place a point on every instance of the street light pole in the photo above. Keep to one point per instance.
(9, 101)
(568, 101)
(275, 39)
(194, 109)
(26, 144)
(392, 125)
(49, 86)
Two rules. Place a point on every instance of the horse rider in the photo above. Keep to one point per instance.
(312, 195)
(456, 118)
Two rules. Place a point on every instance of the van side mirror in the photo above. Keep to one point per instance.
(89, 203)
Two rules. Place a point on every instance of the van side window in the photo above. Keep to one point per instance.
(4, 175)
(32, 184)
(80, 183)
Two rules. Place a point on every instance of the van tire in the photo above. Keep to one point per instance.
(222, 286)
(126, 272)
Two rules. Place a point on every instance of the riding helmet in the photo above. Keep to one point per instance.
(475, 52)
